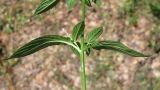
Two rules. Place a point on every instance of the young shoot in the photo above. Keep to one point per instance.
(80, 48)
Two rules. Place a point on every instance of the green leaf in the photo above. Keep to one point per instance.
(88, 48)
(71, 3)
(117, 46)
(97, 2)
(40, 43)
(74, 50)
(94, 34)
(88, 3)
(45, 5)
(78, 30)
(88, 51)
(155, 8)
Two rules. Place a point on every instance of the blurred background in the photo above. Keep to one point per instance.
(136, 23)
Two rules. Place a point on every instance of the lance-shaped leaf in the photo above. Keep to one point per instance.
(45, 5)
(40, 43)
(94, 34)
(77, 31)
(117, 46)
(71, 3)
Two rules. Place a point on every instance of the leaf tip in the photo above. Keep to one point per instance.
(36, 12)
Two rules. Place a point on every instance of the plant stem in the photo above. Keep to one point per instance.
(83, 75)
(83, 10)
(83, 66)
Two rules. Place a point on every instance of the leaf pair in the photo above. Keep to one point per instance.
(78, 30)
(49, 40)
(91, 38)
(91, 43)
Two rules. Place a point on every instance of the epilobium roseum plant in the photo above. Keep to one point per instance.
(80, 48)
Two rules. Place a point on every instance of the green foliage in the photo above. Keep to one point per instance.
(93, 35)
(130, 6)
(91, 38)
(133, 20)
(97, 2)
(117, 46)
(78, 30)
(71, 3)
(9, 29)
(40, 43)
(155, 8)
(45, 5)
(74, 50)
(129, 9)
(48, 40)
(88, 3)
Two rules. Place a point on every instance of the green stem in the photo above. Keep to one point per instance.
(83, 65)
(83, 10)
(82, 50)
